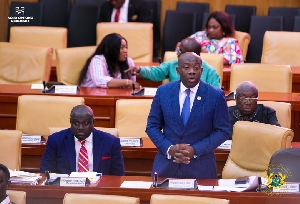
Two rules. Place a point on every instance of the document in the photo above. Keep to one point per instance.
(136, 184)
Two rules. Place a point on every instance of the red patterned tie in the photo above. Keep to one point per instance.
(117, 15)
(83, 159)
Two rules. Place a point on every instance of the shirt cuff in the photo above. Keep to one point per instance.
(168, 155)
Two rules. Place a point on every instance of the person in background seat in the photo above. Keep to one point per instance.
(247, 109)
(4, 184)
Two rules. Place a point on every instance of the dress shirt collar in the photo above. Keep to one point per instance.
(6, 201)
(193, 89)
(88, 139)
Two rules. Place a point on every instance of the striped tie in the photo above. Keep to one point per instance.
(83, 159)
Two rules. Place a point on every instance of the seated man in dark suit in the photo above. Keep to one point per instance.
(5, 182)
(247, 109)
(83, 148)
(125, 11)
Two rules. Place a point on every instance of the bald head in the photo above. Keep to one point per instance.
(190, 45)
(81, 110)
(189, 57)
(246, 87)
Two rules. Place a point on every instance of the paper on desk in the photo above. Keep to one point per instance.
(229, 185)
(37, 86)
(84, 174)
(136, 184)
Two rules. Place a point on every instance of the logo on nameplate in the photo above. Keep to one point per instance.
(20, 16)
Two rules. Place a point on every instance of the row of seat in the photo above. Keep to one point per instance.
(19, 197)
(138, 35)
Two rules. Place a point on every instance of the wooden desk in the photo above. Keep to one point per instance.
(110, 185)
(103, 101)
(138, 161)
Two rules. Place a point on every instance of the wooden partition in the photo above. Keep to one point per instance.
(262, 8)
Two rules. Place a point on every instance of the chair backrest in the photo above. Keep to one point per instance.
(113, 131)
(82, 25)
(216, 61)
(281, 48)
(139, 37)
(263, 76)
(70, 62)
(243, 41)
(39, 36)
(286, 161)
(296, 27)
(10, 148)
(243, 15)
(131, 117)
(179, 199)
(178, 25)
(36, 113)
(283, 111)
(75, 198)
(197, 7)
(155, 9)
(288, 15)
(259, 25)
(253, 144)
(90, 2)
(56, 12)
(18, 197)
(24, 64)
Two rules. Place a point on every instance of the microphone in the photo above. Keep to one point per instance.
(47, 177)
(155, 180)
(159, 60)
(133, 89)
(44, 85)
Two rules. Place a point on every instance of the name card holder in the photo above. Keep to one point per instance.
(149, 91)
(287, 188)
(62, 89)
(131, 142)
(74, 181)
(31, 139)
(184, 184)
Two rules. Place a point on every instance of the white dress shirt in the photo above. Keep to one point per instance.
(123, 13)
(182, 96)
(6, 201)
(89, 148)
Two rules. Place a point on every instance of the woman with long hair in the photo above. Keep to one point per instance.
(105, 68)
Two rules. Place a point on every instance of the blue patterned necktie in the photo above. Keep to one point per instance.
(185, 112)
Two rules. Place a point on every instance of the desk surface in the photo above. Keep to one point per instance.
(110, 185)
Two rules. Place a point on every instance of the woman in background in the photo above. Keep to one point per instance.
(217, 38)
(105, 68)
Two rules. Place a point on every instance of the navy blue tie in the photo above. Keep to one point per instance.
(185, 112)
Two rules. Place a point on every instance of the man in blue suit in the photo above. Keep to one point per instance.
(103, 150)
(188, 120)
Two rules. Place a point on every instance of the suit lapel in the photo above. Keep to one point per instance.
(200, 97)
(70, 149)
(130, 11)
(97, 150)
(175, 106)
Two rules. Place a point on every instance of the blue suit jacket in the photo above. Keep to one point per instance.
(60, 156)
(208, 126)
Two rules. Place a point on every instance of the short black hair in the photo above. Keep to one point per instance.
(5, 171)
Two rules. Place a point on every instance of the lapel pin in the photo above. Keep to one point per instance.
(199, 98)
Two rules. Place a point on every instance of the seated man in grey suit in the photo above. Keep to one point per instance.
(247, 109)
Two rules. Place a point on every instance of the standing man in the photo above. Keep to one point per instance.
(188, 120)
(125, 11)
(83, 148)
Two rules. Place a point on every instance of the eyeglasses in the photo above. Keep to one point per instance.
(251, 100)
